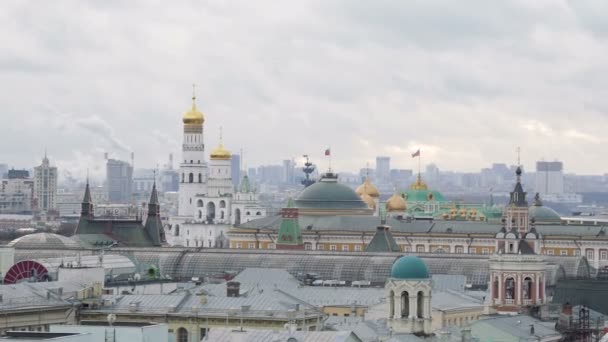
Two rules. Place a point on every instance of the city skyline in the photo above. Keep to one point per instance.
(466, 89)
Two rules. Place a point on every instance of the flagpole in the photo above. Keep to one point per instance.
(419, 156)
(329, 159)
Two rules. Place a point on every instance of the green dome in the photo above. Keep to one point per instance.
(423, 196)
(409, 267)
(542, 214)
(327, 193)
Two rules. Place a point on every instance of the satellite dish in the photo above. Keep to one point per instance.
(111, 319)
(137, 277)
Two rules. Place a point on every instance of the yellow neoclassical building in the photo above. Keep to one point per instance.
(333, 217)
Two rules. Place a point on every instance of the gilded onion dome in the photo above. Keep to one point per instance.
(368, 188)
(396, 203)
(193, 116)
(220, 152)
(419, 184)
(369, 201)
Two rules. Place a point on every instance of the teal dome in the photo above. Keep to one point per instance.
(327, 193)
(409, 267)
(542, 214)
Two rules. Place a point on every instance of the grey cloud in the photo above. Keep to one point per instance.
(291, 78)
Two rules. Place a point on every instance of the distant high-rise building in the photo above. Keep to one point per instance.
(169, 180)
(549, 177)
(432, 174)
(366, 172)
(45, 185)
(270, 174)
(3, 171)
(288, 171)
(119, 181)
(383, 168)
(17, 193)
(400, 178)
(235, 165)
(252, 173)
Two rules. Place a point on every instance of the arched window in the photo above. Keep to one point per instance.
(191, 178)
(391, 301)
(182, 335)
(237, 216)
(199, 203)
(210, 211)
(183, 177)
(200, 178)
(247, 213)
(495, 288)
(176, 232)
(527, 288)
(191, 161)
(510, 288)
(258, 213)
(405, 304)
(420, 305)
(222, 204)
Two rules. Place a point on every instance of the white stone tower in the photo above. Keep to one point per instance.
(409, 296)
(220, 171)
(193, 169)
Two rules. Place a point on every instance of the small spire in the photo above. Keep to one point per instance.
(193, 96)
(87, 192)
(154, 194)
(221, 136)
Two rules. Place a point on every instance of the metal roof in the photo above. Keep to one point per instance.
(518, 326)
(257, 335)
(449, 300)
(185, 263)
(43, 240)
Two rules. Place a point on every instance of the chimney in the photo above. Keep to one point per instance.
(233, 289)
(567, 309)
(133, 306)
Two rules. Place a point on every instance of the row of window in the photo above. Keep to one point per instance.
(459, 321)
(589, 253)
(359, 248)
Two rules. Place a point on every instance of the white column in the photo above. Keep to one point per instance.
(428, 309)
(537, 293)
(518, 289)
(397, 300)
(413, 306)
(500, 290)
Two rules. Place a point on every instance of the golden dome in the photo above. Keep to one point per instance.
(396, 203)
(368, 188)
(193, 116)
(221, 153)
(368, 200)
(419, 184)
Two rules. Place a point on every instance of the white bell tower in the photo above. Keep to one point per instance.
(193, 169)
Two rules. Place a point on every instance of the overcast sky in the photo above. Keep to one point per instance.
(466, 81)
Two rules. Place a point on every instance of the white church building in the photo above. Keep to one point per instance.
(208, 203)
